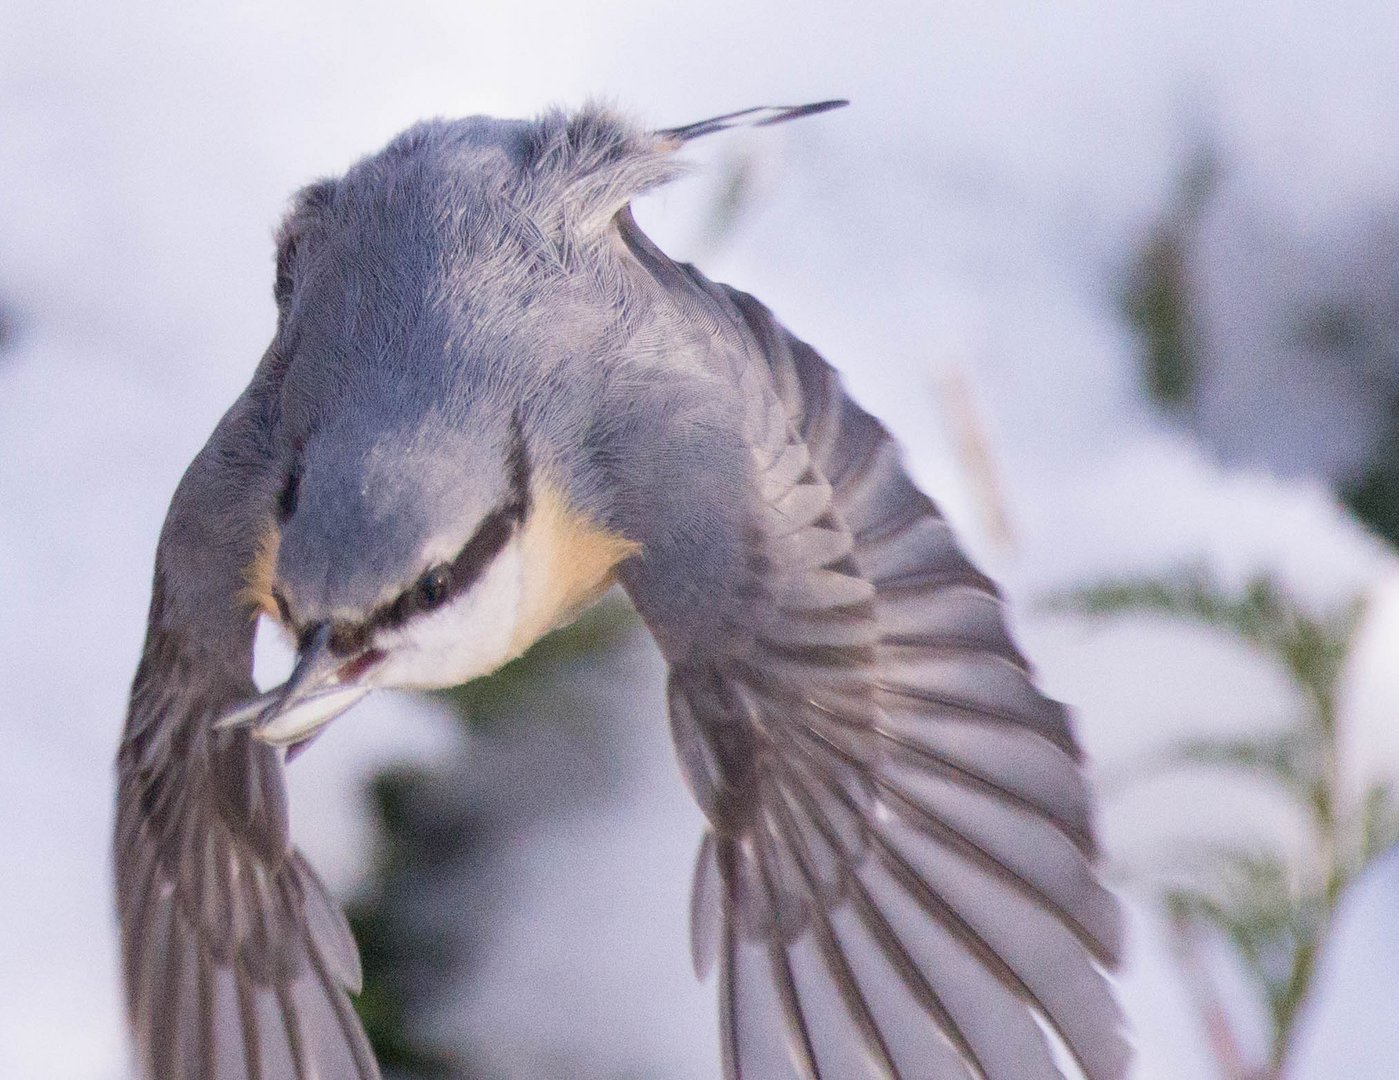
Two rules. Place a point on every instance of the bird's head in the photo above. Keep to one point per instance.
(419, 540)
(417, 557)
(394, 559)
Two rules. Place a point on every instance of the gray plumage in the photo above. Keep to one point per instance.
(898, 875)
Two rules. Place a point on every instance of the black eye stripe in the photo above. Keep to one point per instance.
(475, 555)
(484, 546)
(287, 498)
(461, 573)
(519, 466)
(348, 638)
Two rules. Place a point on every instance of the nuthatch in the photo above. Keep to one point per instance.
(489, 395)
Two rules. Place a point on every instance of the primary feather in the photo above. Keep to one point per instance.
(894, 806)
(238, 966)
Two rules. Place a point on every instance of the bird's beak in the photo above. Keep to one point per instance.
(312, 697)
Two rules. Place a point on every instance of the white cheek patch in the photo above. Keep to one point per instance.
(471, 636)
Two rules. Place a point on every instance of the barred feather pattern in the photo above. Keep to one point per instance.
(898, 879)
(237, 964)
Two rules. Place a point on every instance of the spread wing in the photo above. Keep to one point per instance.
(236, 962)
(898, 875)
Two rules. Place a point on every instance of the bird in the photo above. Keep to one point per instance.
(489, 397)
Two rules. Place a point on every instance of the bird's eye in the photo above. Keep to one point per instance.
(432, 588)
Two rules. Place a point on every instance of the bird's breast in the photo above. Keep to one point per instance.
(569, 561)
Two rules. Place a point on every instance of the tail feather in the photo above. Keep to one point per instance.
(758, 116)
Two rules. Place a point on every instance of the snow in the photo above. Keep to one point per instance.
(973, 208)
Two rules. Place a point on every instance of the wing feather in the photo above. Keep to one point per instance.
(237, 964)
(900, 822)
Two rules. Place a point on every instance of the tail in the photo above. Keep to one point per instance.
(758, 116)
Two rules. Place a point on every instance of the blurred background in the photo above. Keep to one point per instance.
(1122, 276)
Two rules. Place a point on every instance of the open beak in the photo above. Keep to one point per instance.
(312, 697)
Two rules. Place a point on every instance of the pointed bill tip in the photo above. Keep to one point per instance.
(302, 719)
